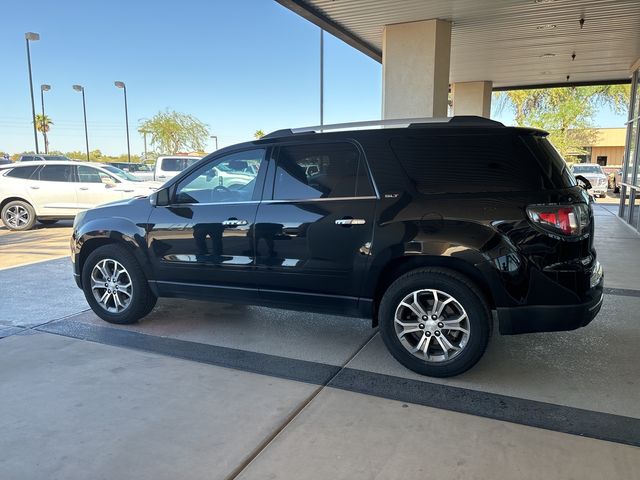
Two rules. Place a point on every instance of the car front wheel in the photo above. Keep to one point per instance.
(18, 215)
(115, 285)
(435, 322)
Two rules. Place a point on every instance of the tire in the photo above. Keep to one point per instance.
(18, 215)
(134, 302)
(47, 221)
(467, 304)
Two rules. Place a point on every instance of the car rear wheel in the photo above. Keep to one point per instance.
(115, 285)
(435, 322)
(18, 215)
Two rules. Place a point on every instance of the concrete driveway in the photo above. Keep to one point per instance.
(201, 390)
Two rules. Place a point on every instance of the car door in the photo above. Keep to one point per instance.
(314, 233)
(96, 187)
(52, 191)
(201, 243)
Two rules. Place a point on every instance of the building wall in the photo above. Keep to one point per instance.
(615, 155)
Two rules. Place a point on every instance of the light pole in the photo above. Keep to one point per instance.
(80, 88)
(31, 36)
(126, 116)
(215, 137)
(44, 88)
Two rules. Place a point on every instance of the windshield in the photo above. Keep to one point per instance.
(55, 157)
(582, 169)
(121, 173)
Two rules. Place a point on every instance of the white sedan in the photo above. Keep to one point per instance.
(50, 191)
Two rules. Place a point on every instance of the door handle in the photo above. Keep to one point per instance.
(351, 221)
(33, 187)
(84, 188)
(234, 222)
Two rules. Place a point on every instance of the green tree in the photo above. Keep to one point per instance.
(258, 134)
(567, 113)
(43, 125)
(173, 132)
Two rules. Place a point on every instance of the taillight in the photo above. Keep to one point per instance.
(568, 220)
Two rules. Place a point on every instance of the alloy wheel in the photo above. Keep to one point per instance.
(16, 216)
(111, 285)
(432, 325)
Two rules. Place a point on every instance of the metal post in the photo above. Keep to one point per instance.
(86, 131)
(44, 132)
(126, 120)
(321, 77)
(33, 103)
(44, 88)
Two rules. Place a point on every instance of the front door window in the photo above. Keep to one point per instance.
(230, 179)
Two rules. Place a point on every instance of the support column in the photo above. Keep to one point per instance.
(415, 69)
(472, 98)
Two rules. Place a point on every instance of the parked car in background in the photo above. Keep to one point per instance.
(169, 166)
(431, 231)
(593, 172)
(41, 158)
(53, 190)
(141, 171)
(4, 160)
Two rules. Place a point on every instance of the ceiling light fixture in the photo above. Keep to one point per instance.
(542, 2)
(546, 26)
(547, 55)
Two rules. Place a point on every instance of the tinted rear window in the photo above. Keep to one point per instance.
(21, 172)
(470, 163)
(552, 164)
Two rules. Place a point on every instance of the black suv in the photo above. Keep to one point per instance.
(429, 230)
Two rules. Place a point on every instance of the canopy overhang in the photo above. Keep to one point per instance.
(513, 43)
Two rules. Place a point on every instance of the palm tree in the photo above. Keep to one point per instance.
(259, 134)
(43, 125)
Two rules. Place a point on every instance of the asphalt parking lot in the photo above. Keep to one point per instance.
(203, 390)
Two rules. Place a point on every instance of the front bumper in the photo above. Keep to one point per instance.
(551, 318)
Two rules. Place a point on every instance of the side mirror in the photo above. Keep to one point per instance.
(583, 182)
(159, 198)
(109, 185)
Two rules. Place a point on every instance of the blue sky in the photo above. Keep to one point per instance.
(238, 66)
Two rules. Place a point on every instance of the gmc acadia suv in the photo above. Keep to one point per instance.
(429, 230)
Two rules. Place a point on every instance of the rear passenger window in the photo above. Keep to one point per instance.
(468, 163)
(21, 172)
(56, 173)
(323, 170)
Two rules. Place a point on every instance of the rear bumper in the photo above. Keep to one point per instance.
(550, 318)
